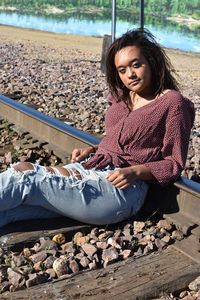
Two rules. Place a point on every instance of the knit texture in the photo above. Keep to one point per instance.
(156, 135)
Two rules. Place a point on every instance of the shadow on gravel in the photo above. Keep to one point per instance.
(39, 224)
(161, 200)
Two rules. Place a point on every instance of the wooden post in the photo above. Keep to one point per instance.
(106, 45)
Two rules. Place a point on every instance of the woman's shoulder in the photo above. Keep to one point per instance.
(177, 102)
(176, 98)
(172, 95)
(111, 99)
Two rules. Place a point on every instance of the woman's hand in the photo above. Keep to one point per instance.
(125, 177)
(81, 154)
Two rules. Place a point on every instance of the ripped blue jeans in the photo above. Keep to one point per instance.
(91, 198)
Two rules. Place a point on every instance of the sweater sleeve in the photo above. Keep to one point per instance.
(175, 143)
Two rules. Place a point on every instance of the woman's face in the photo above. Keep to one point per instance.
(134, 70)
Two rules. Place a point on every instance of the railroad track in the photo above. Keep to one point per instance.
(133, 279)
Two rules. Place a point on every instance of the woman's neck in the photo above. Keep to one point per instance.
(135, 101)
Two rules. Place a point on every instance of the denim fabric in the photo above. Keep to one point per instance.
(92, 199)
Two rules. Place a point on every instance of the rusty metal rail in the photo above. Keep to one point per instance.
(179, 202)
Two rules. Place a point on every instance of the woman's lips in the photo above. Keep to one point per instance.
(134, 82)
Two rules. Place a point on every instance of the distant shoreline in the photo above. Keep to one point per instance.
(187, 20)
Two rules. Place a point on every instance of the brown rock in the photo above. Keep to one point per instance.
(177, 235)
(84, 262)
(14, 277)
(94, 232)
(126, 253)
(182, 294)
(96, 258)
(117, 233)
(143, 242)
(21, 286)
(89, 249)
(8, 157)
(105, 235)
(80, 254)
(102, 245)
(35, 247)
(195, 284)
(109, 256)
(37, 278)
(164, 224)
(17, 261)
(160, 244)
(48, 263)
(166, 239)
(77, 235)
(37, 266)
(93, 241)
(51, 272)
(93, 265)
(47, 245)
(74, 266)
(146, 250)
(38, 257)
(80, 241)
(138, 226)
(60, 266)
(68, 247)
(115, 242)
(27, 252)
(127, 238)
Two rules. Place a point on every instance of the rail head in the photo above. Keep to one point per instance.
(189, 186)
(54, 123)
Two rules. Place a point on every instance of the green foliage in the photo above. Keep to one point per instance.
(6, 126)
(161, 7)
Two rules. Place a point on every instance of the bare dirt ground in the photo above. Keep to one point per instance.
(84, 47)
(77, 46)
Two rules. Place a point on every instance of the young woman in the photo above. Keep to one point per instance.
(148, 128)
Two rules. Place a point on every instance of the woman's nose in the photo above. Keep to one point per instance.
(131, 73)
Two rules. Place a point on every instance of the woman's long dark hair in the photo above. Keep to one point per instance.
(161, 69)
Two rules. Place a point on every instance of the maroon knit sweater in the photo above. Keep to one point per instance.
(156, 135)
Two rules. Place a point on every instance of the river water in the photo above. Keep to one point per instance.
(168, 33)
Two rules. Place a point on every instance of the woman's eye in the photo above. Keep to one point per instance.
(136, 65)
(122, 71)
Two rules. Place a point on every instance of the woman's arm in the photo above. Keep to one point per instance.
(80, 154)
(175, 144)
(125, 177)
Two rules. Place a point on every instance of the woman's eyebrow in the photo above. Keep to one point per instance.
(133, 60)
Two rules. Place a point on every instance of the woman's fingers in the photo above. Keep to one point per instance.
(80, 154)
(75, 155)
(116, 179)
(121, 178)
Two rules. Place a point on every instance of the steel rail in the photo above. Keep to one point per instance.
(60, 136)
